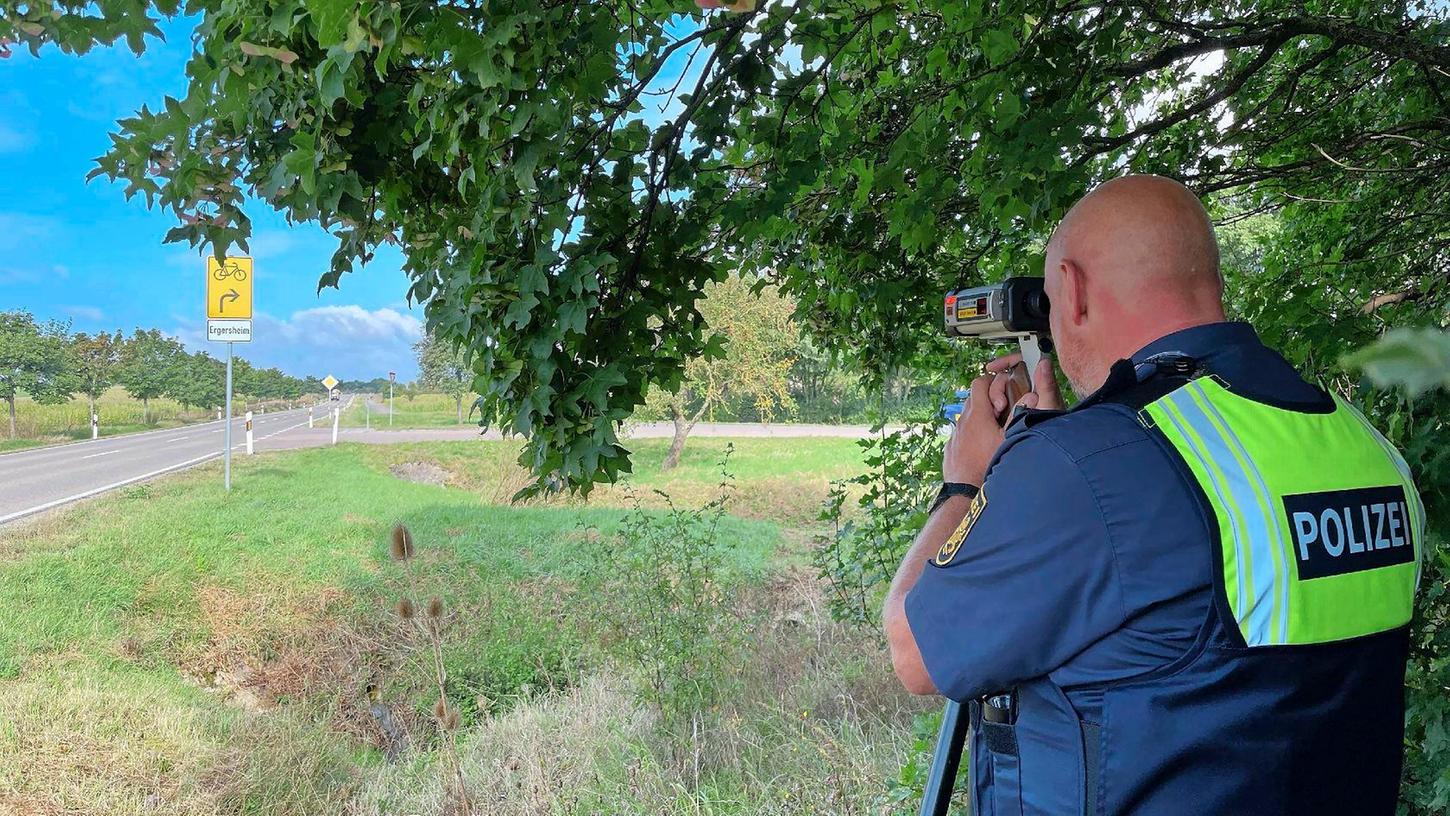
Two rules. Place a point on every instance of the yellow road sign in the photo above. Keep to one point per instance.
(329, 382)
(229, 288)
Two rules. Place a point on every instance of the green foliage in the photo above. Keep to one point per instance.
(442, 365)
(149, 363)
(1416, 360)
(867, 542)
(95, 361)
(863, 156)
(34, 359)
(661, 585)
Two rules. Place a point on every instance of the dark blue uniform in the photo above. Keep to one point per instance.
(1084, 585)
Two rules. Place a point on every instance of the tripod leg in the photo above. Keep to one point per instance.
(945, 760)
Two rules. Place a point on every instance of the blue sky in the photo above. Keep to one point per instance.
(81, 252)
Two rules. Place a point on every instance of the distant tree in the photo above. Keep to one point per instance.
(444, 367)
(96, 362)
(33, 359)
(748, 359)
(149, 364)
(198, 380)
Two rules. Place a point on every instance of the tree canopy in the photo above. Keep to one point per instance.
(566, 178)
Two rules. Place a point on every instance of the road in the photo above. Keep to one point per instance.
(40, 478)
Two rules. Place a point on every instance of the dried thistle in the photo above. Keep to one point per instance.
(435, 607)
(405, 608)
(440, 709)
(402, 543)
(451, 719)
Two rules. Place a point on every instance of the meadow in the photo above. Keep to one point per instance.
(422, 411)
(172, 649)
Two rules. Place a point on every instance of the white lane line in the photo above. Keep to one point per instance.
(112, 486)
(177, 439)
(102, 453)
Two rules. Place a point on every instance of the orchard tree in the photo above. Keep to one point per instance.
(443, 367)
(34, 359)
(95, 361)
(150, 365)
(199, 381)
(752, 362)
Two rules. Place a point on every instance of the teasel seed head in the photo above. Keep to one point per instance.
(402, 543)
(405, 608)
(435, 607)
(450, 719)
(440, 709)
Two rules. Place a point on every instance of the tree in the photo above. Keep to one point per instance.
(751, 361)
(150, 365)
(33, 359)
(96, 362)
(198, 381)
(444, 367)
(863, 156)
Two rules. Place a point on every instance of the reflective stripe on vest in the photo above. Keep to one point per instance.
(1319, 525)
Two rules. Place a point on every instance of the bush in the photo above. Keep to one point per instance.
(661, 589)
(865, 543)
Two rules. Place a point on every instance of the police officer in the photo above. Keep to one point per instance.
(1191, 592)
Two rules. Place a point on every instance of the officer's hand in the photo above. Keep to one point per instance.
(1044, 393)
(975, 437)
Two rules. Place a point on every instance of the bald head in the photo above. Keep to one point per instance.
(1134, 260)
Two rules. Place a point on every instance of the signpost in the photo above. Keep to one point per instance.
(392, 378)
(229, 320)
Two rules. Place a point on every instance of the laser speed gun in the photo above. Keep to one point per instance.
(1015, 309)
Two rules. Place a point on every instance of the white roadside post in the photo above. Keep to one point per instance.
(249, 433)
(219, 414)
(367, 413)
(336, 415)
(95, 425)
(392, 378)
(309, 417)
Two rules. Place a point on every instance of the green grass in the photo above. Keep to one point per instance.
(172, 648)
(423, 411)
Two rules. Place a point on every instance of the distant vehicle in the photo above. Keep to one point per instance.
(335, 395)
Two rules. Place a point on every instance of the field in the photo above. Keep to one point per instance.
(119, 413)
(175, 650)
(423, 411)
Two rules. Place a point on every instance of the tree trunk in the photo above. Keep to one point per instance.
(11, 400)
(683, 426)
(458, 403)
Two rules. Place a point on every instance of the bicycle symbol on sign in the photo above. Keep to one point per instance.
(229, 269)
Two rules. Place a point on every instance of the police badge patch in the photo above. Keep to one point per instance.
(953, 543)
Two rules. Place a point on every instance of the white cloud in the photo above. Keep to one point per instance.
(90, 313)
(349, 342)
(14, 275)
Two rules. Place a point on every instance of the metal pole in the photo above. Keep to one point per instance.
(367, 412)
(945, 760)
(227, 436)
(390, 403)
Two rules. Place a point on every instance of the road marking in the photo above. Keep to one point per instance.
(102, 453)
(174, 440)
(93, 491)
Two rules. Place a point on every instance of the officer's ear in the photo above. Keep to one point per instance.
(1073, 296)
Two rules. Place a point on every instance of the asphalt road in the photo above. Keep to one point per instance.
(42, 478)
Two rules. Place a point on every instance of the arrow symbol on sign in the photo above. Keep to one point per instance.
(230, 294)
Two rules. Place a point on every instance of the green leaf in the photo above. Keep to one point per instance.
(1416, 360)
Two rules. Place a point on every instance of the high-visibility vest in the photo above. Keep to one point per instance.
(1318, 523)
(1290, 702)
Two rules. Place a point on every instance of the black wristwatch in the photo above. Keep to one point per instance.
(949, 489)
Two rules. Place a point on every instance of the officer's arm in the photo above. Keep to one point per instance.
(905, 656)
